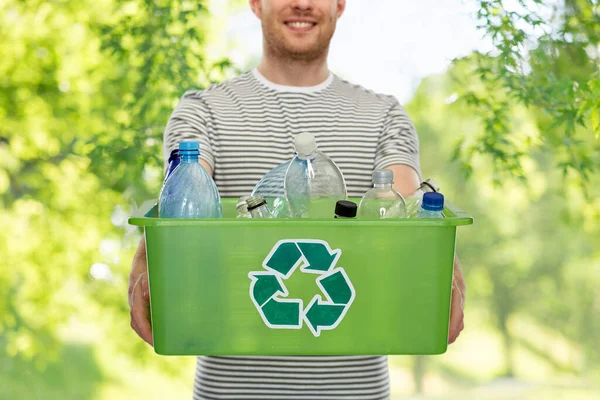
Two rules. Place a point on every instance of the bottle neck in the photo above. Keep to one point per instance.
(310, 156)
(431, 209)
(382, 185)
(427, 187)
(261, 211)
(189, 157)
(257, 207)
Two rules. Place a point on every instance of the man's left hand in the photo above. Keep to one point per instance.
(457, 315)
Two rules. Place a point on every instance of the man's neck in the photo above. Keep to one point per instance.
(293, 72)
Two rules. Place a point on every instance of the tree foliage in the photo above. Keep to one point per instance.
(545, 57)
(87, 87)
(86, 90)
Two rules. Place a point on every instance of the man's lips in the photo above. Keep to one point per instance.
(300, 25)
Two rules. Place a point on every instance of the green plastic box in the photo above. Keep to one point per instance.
(299, 287)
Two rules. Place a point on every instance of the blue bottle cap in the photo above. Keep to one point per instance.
(174, 155)
(433, 201)
(189, 146)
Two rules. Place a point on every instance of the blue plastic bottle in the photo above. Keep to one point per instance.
(432, 206)
(174, 161)
(189, 192)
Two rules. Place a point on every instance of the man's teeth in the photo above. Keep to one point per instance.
(300, 24)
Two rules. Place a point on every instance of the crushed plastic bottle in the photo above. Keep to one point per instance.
(242, 207)
(313, 182)
(270, 187)
(257, 207)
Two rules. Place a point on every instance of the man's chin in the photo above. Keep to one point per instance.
(304, 52)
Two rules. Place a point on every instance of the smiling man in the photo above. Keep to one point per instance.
(246, 126)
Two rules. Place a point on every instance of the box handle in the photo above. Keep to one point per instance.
(143, 210)
(455, 211)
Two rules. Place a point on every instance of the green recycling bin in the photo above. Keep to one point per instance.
(299, 286)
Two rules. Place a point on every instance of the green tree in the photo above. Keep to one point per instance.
(546, 58)
(531, 254)
(87, 88)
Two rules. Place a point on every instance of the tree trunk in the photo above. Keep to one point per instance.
(508, 345)
(419, 367)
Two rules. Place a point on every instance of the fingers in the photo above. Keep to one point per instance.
(457, 316)
(140, 309)
(455, 332)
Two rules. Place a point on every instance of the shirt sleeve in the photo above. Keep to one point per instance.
(191, 120)
(398, 142)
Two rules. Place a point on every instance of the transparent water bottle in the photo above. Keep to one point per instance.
(270, 187)
(432, 206)
(413, 201)
(345, 209)
(190, 192)
(242, 208)
(382, 201)
(313, 182)
(257, 206)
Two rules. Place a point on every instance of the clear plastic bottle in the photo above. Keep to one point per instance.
(242, 208)
(433, 204)
(189, 192)
(414, 200)
(257, 206)
(382, 201)
(271, 188)
(313, 182)
(345, 209)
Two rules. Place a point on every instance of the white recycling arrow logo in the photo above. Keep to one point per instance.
(269, 294)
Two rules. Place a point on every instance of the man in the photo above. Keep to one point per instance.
(245, 127)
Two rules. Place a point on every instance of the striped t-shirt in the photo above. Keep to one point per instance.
(245, 127)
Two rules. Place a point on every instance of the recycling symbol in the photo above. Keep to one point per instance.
(269, 294)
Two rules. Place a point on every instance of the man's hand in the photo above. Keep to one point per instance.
(139, 296)
(457, 316)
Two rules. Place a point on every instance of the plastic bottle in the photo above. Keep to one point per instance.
(382, 201)
(413, 201)
(345, 209)
(242, 208)
(313, 182)
(174, 161)
(190, 192)
(257, 206)
(433, 204)
(270, 187)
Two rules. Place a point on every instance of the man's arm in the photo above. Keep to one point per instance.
(139, 295)
(457, 316)
(406, 181)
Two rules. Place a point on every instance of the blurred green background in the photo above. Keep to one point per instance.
(511, 135)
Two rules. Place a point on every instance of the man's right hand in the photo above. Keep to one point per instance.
(139, 296)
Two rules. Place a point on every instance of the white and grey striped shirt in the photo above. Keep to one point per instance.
(246, 126)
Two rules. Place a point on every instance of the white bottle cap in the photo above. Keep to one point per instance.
(305, 144)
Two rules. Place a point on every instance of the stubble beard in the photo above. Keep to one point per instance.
(276, 42)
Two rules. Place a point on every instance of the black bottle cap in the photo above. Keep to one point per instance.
(345, 209)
